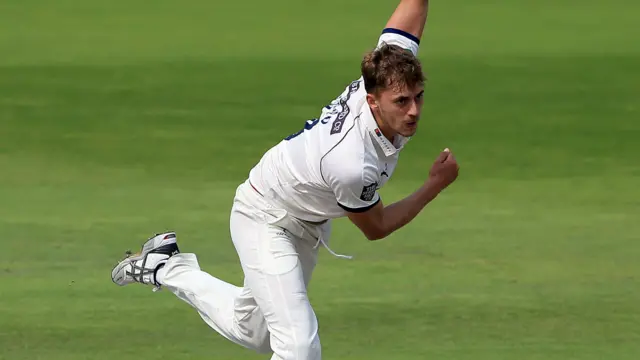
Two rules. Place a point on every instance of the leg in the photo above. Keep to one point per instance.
(272, 312)
(228, 309)
(278, 266)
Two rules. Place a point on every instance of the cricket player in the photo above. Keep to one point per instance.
(281, 215)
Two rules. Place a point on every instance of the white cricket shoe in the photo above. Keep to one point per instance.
(141, 267)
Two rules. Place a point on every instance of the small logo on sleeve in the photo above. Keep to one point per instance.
(384, 172)
(368, 192)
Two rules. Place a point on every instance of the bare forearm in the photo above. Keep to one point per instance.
(404, 211)
(410, 16)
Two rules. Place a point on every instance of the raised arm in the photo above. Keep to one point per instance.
(410, 17)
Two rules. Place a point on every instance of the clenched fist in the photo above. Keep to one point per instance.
(444, 170)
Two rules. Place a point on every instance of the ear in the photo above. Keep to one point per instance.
(372, 101)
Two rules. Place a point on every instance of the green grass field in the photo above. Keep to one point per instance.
(125, 118)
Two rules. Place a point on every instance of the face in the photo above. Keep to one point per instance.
(398, 110)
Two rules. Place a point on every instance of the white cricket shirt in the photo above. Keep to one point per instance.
(337, 162)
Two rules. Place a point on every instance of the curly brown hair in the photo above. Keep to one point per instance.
(390, 66)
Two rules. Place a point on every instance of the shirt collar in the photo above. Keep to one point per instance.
(372, 128)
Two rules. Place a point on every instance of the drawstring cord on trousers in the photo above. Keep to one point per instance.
(321, 240)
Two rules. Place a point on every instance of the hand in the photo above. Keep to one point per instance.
(444, 170)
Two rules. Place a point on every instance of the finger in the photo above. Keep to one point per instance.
(450, 159)
(444, 155)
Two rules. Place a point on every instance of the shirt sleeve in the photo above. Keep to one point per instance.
(401, 38)
(355, 187)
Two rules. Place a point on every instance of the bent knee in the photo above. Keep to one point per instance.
(263, 345)
(303, 348)
(308, 350)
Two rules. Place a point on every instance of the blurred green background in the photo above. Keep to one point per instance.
(126, 118)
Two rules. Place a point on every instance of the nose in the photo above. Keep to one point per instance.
(414, 109)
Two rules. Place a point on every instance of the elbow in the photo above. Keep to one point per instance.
(376, 234)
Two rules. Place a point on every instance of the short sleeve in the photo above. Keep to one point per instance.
(401, 38)
(355, 187)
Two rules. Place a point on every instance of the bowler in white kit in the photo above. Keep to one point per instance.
(281, 215)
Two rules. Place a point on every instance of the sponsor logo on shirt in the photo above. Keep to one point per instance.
(336, 127)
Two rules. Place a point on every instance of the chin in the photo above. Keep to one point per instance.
(409, 128)
(408, 132)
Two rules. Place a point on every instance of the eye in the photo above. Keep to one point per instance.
(402, 100)
(420, 96)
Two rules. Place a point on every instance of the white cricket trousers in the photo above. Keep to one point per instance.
(271, 312)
